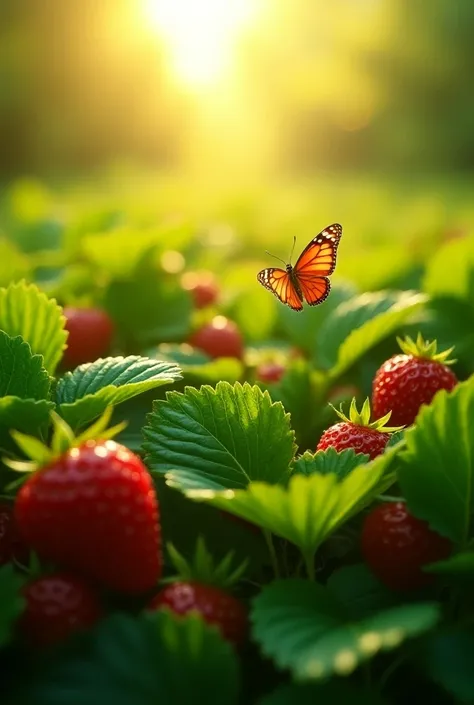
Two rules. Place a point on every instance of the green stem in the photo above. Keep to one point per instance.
(390, 670)
(309, 562)
(271, 550)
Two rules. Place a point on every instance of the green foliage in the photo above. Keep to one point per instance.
(447, 658)
(143, 661)
(11, 602)
(329, 461)
(310, 508)
(216, 439)
(303, 627)
(84, 394)
(456, 256)
(25, 311)
(436, 470)
(369, 325)
(21, 372)
(25, 415)
(359, 591)
(150, 308)
(312, 693)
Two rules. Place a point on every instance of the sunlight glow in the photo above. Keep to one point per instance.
(200, 35)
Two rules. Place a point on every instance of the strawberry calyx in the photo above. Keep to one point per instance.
(362, 417)
(63, 439)
(425, 349)
(203, 568)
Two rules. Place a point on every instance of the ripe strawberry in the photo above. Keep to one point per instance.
(202, 287)
(396, 545)
(93, 509)
(56, 606)
(90, 335)
(357, 432)
(203, 588)
(405, 382)
(270, 371)
(219, 338)
(11, 546)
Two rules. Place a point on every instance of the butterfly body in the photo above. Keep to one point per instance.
(308, 279)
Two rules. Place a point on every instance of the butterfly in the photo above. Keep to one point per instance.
(308, 279)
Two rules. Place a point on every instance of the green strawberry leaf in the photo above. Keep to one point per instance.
(329, 461)
(13, 264)
(461, 564)
(21, 372)
(305, 329)
(302, 626)
(26, 311)
(153, 659)
(447, 659)
(11, 602)
(456, 256)
(359, 590)
(85, 393)
(310, 508)
(255, 313)
(336, 691)
(26, 415)
(150, 308)
(436, 471)
(297, 390)
(365, 323)
(217, 439)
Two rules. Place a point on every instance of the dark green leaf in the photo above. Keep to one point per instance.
(11, 602)
(21, 372)
(26, 311)
(145, 661)
(448, 660)
(461, 564)
(215, 439)
(321, 694)
(384, 320)
(360, 591)
(84, 394)
(305, 329)
(303, 627)
(149, 309)
(456, 256)
(26, 415)
(311, 507)
(436, 471)
(330, 461)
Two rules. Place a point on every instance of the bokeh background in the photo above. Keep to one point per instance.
(259, 118)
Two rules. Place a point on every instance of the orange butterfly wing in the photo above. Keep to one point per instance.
(279, 283)
(316, 262)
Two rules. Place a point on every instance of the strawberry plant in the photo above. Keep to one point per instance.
(184, 515)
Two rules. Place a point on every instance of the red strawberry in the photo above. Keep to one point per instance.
(203, 588)
(396, 545)
(202, 286)
(94, 510)
(219, 338)
(56, 606)
(11, 546)
(405, 382)
(357, 432)
(90, 335)
(270, 371)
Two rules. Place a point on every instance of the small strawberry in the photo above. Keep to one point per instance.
(203, 588)
(91, 507)
(219, 338)
(270, 371)
(56, 606)
(396, 545)
(405, 382)
(357, 432)
(90, 335)
(202, 286)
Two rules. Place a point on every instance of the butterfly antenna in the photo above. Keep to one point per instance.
(293, 248)
(278, 258)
